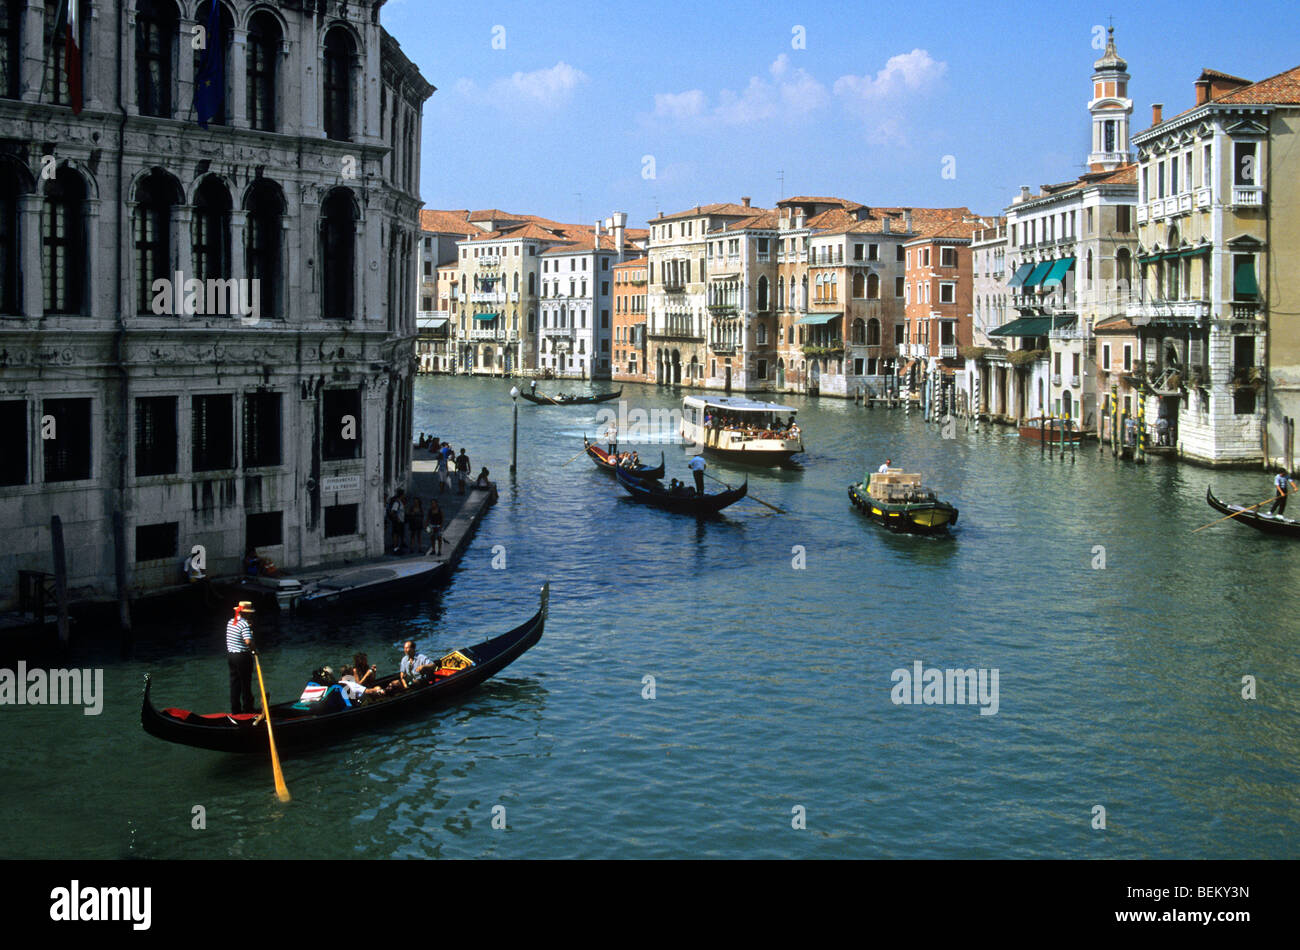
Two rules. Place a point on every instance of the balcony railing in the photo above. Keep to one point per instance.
(489, 260)
(502, 336)
(1074, 382)
(488, 297)
(1248, 310)
(947, 351)
(1144, 312)
(723, 347)
(1056, 379)
(1247, 196)
(1203, 198)
(673, 286)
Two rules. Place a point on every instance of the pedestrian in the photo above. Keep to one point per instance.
(433, 527)
(462, 470)
(448, 463)
(1280, 482)
(239, 657)
(441, 460)
(697, 465)
(397, 519)
(415, 524)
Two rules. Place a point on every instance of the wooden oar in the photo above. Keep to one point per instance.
(747, 495)
(1242, 512)
(579, 455)
(281, 790)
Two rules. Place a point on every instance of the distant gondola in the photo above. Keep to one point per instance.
(243, 732)
(654, 493)
(1259, 520)
(564, 399)
(603, 461)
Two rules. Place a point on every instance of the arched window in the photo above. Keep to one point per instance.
(859, 285)
(263, 54)
(156, 25)
(57, 87)
(1123, 270)
(516, 282)
(338, 254)
(873, 332)
(1087, 275)
(227, 41)
(532, 285)
(10, 250)
(762, 294)
(266, 207)
(11, 16)
(835, 287)
(211, 231)
(63, 245)
(859, 331)
(155, 196)
(339, 54)
(803, 292)
(873, 286)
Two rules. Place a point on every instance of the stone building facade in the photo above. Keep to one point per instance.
(205, 334)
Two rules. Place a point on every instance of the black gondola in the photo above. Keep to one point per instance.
(653, 493)
(226, 732)
(1259, 520)
(603, 461)
(564, 399)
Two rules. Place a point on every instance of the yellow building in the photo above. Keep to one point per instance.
(1218, 246)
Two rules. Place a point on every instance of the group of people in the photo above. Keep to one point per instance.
(740, 424)
(626, 459)
(422, 525)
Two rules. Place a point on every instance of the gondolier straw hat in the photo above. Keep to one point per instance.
(245, 607)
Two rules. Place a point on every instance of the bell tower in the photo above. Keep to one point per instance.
(1111, 110)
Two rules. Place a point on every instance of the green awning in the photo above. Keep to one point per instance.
(486, 316)
(1057, 274)
(1033, 326)
(819, 319)
(1037, 274)
(1243, 284)
(1021, 273)
(1196, 251)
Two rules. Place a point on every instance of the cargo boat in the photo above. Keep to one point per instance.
(897, 500)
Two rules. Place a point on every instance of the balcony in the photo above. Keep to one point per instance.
(488, 297)
(724, 347)
(1245, 310)
(763, 258)
(1056, 379)
(947, 351)
(490, 260)
(1075, 382)
(1146, 312)
(1141, 214)
(499, 336)
(1246, 196)
(1203, 198)
(558, 333)
(1184, 203)
(673, 285)
(723, 310)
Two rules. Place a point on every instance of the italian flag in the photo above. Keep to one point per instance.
(72, 52)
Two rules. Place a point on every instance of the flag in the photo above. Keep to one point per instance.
(210, 83)
(72, 55)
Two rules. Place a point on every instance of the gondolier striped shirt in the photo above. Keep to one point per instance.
(236, 631)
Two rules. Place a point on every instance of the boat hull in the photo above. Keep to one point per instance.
(926, 517)
(576, 401)
(1030, 430)
(702, 506)
(601, 458)
(1259, 520)
(293, 728)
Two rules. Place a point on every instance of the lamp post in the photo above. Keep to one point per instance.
(514, 442)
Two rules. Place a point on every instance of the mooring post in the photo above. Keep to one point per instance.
(123, 596)
(60, 578)
(514, 441)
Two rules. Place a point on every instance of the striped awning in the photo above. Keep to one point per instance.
(1056, 275)
(818, 318)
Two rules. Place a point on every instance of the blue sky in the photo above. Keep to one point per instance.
(859, 100)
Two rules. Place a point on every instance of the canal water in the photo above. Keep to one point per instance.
(724, 688)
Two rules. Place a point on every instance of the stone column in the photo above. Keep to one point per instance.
(91, 271)
(183, 107)
(29, 227)
(126, 66)
(237, 82)
(182, 250)
(31, 51)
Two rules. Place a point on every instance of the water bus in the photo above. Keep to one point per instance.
(741, 429)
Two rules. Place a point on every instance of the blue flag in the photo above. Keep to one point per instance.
(210, 82)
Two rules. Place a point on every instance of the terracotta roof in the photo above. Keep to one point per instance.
(446, 222)
(1284, 88)
(810, 199)
(634, 262)
(1113, 325)
(528, 230)
(721, 208)
(1215, 74)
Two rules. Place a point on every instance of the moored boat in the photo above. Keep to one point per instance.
(898, 501)
(685, 501)
(740, 429)
(565, 399)
(604, 461)
(293, 725)
(1259, 520)
(1051, 429)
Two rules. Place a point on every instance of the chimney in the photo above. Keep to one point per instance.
(1156, 109)
(1202, 91)
(745, 200)
(798, 219)
(595, 236)
(1025, 193)
(884, 225)
(907, 220)
(619, 220)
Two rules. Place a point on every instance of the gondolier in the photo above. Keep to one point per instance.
(697, 465)
(1281, 483)
(239, 657)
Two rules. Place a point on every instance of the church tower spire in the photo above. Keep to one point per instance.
(1111, 110)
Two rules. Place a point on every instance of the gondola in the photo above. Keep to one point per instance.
(654, 493)
(244, 732)
(603, 461)
(1259, 520)
(565, 399)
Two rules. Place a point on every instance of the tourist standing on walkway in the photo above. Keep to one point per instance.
(415, 524)
(239, 657)
(462, 470)
(1281, 483)
(697, 466)
(433, 527)
(446, 465)
(397, 519)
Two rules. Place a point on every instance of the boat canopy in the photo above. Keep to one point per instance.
(735, 404)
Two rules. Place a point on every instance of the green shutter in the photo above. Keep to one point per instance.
(1244, 284)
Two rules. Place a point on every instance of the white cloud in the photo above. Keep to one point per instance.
(787, 93)
(905, 73)
(542, 88)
